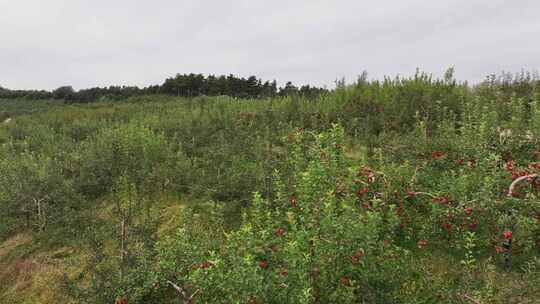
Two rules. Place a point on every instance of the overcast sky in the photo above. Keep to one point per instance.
(47, 44)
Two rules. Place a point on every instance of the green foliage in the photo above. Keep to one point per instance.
(311, 243)
(34, 193)
(407, 202)
(131, 151)
(186, 85)
(121, 251)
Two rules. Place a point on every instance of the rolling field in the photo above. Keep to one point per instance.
(407, 190)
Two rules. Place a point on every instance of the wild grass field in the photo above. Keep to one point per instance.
(405, 190)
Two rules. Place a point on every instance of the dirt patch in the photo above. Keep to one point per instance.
(31, 279)
(12, 243)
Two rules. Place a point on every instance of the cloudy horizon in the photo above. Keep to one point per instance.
(48, 44)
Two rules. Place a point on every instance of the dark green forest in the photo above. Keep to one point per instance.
(185, 85)
(222, 189)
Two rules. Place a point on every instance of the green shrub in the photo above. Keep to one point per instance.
(312, 243)
(131, 151)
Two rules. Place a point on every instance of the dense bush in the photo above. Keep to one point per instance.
(134, 152)
(409, 201)
(34, 194)
(312, 243)
(336, 232)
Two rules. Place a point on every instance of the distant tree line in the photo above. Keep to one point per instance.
(28, 94)
(191, 85)
(185, 85)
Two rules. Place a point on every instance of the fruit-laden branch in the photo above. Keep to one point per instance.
(515, 182)
(182, 292)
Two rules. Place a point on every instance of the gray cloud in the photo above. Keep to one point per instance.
(46, 44)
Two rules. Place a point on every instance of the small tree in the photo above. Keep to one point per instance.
(121, 254)
(34, 193)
